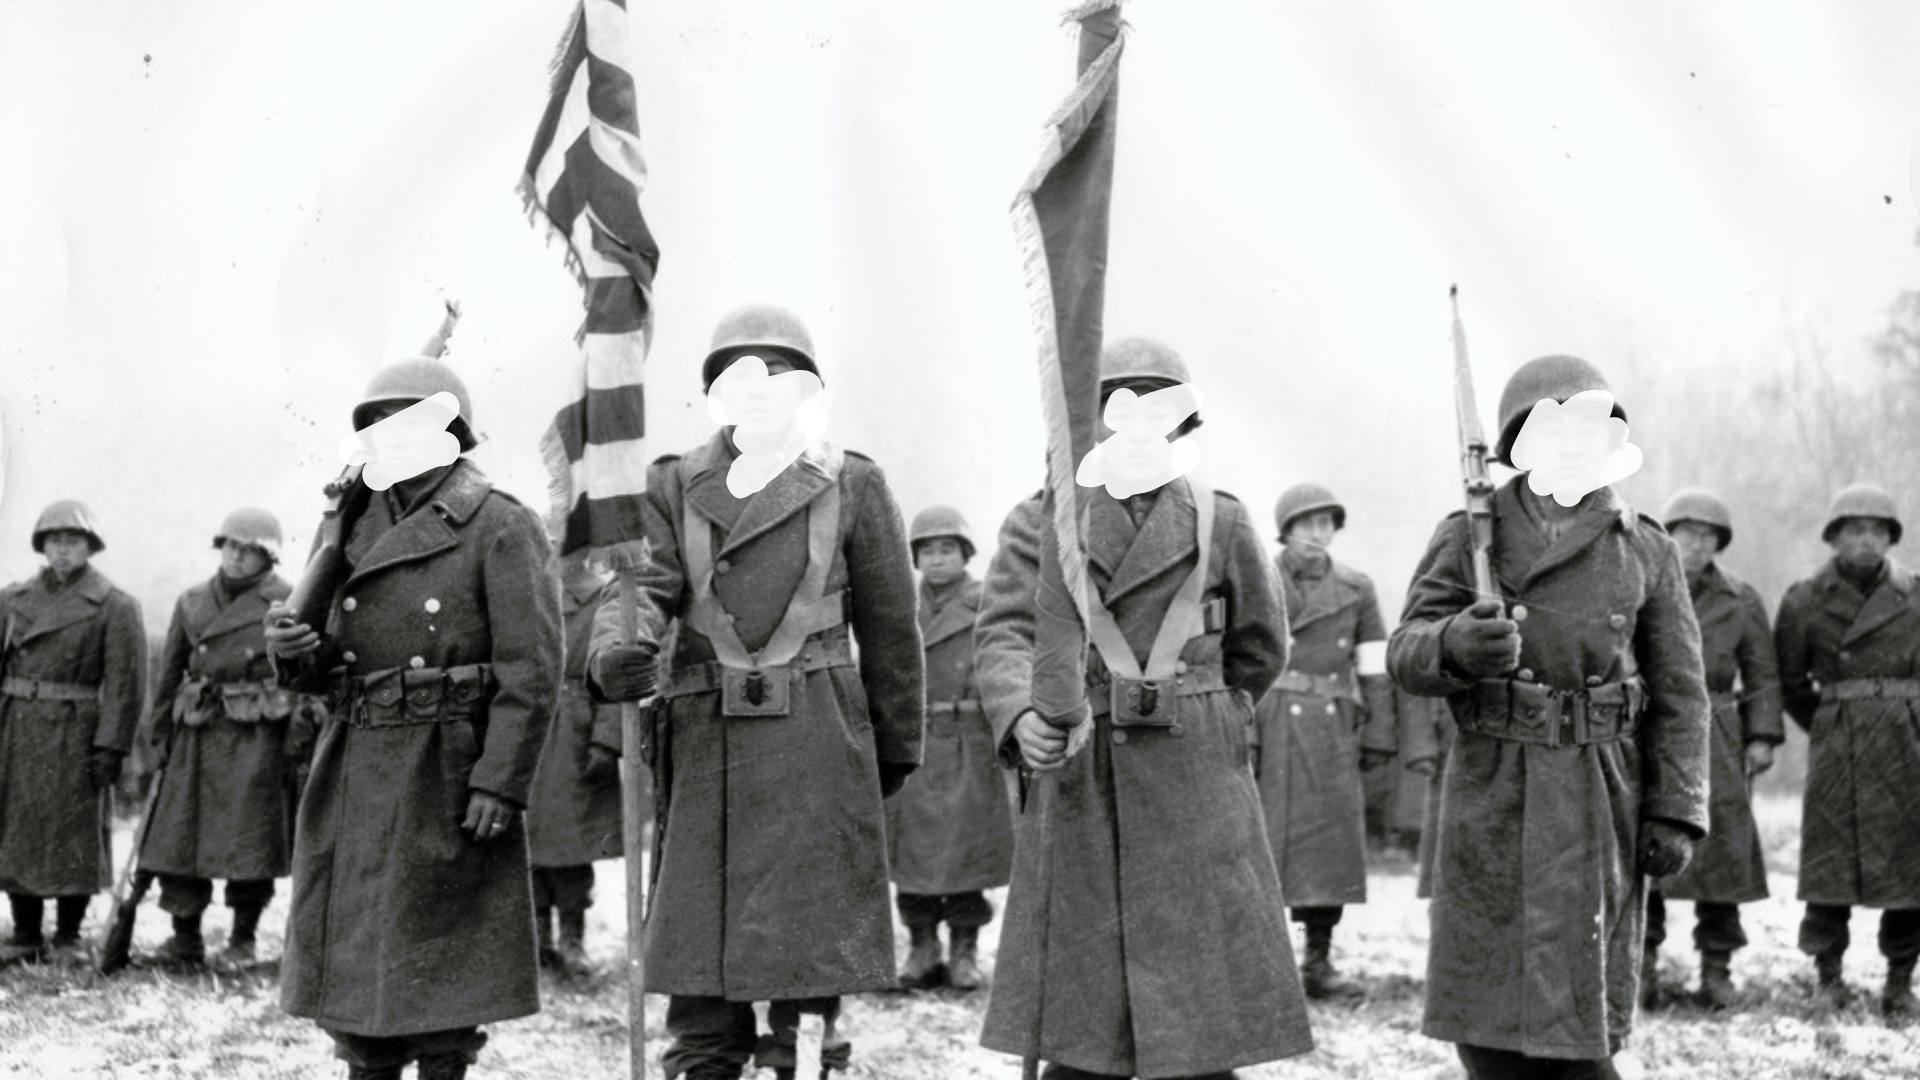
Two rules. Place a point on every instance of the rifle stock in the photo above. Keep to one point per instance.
(312, 596)
(1478, 486)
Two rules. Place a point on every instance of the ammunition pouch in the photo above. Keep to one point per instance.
(1531, 712)
(765, 691)
(401, 696)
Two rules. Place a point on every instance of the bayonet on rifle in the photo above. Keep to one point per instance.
(1473, 460)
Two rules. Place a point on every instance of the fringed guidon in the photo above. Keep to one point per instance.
(582, 182)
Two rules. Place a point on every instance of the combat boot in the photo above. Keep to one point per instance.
(1716, 981)
(186, 948)
(442, 1067)
(1831, 990)
(239, 953)
(570, 955)
(543, 921)
(22, 948)
(963, 965)
(1897, 1002)
(924, 970)
(1318, 977)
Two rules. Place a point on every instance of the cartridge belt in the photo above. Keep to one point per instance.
(1856, 689)
(1151, 702)
(47, 690)
(1532, 712)
(399, 696)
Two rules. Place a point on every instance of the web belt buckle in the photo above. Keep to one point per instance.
(755, 691)
(1145, 702)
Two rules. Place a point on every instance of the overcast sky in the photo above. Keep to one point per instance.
(222, 217)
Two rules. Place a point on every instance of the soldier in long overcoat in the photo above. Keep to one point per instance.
(1579, 765)
(230, 743)
(73, 675)
(1328, 716)
(1736, 647)
(950, 832)
(574, 816)
(1146, 935)
(776, 744)
(1849, 648)
(1426, 735)
(412, 917)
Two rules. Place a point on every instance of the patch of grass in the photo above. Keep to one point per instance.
(146, 1023)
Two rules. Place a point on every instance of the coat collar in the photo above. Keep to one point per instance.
(78, 602)
(1163, 540)
(1524, 555)
(1328, 592)
(429, 529)
(244, 611)
(784, 496)
(1889, 600)
(953, 617)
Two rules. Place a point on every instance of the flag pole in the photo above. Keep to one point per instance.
(634, 822)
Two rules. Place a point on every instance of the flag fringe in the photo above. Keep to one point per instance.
(560, 493)
(1098, 75)
(1089, 8)
(559, 72)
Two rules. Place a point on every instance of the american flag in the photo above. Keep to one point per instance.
(583, 181)
(1060, 221)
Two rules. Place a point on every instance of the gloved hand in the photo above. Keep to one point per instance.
(1664, 848)
(103, 767)
(488, 816)
(893, 777)
(1481, 642)
(1371, 758)
(625, 672)
(1425, 766)
(286, 638)
(603, 765)
(1759, 758)
(1042, 745)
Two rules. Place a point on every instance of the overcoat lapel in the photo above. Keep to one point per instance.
(1166, 537)
(785, 495)
(954, 618)
(1598, 511)
(76, 603)
(1888, 602)
(425, 532)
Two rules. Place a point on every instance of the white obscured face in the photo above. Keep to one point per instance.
(1568, 450)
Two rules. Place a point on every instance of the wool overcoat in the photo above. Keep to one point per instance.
(1736, 646)
(401, 922)
(571, 822)
(1859, 834)
(1161, 947)
(1537, 907)
(224, 809)
(53, 823)
(772, 862)
(1310, 740)
(1426, 734)
(950, 829)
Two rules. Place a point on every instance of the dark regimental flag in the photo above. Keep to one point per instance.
(583, 181)
(1060, 220)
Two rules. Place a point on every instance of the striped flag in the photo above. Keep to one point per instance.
(583, 181)
(1060, 221)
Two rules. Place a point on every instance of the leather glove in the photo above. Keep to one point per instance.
(1042, 746)
(1481, 642)
(625, 672)
(893, 777)
(1371, 758)
(603, 766)
(1665, 849)
(488, 816)
(1425, 766)
(103, 767)
(1759, 758)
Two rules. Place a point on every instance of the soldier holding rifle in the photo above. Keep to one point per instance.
(1561, 633)
(412, 920)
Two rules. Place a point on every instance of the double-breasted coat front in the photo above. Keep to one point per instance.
(87, 635)
(772, 861)
(1537, 914)
(1161, 946)
(1859, 835)
(223, 809)
(401, 922)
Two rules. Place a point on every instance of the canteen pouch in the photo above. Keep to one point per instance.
(754, 691)
(189, 704)
(1145, 702)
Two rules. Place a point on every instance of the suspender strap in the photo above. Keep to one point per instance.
(808, 612)
(1185, 617)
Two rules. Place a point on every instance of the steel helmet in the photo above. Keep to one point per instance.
(1702, 507)
(67, 515)
(415, 379)
(1556, 377)
(1861, 501)
(1302, 499)
(249, 526)
(757, 326)
(1142, 358)
(941, 521)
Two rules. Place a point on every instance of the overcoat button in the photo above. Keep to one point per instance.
(1119, 738)
(722, 566)
(1177, 730)
(1593, 680)
(1180, 667)
(1340, 643)
(1332, 708)
(1845, 654)
(349, 604)
(348, 656)
(433, 606)
(1524, 674)
(1617, 621)
(417, 662)
(1294, 708)
(247, 652)
(203, 648)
